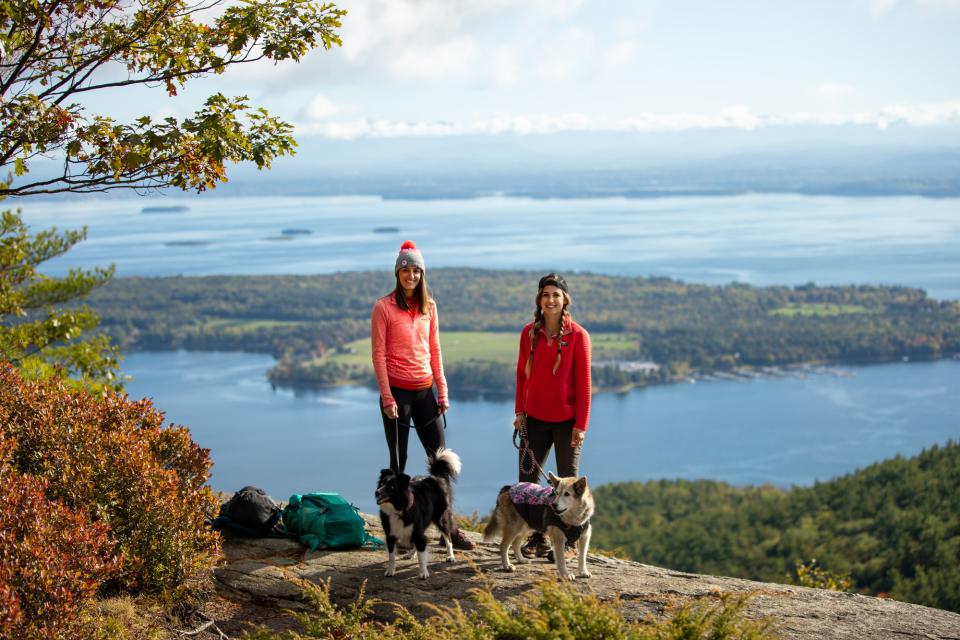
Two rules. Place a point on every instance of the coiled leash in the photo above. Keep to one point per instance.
(525, 452)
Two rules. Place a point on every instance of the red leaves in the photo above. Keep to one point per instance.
(52, 559)
(102, 477)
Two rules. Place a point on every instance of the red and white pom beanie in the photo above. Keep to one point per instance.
(409, 256)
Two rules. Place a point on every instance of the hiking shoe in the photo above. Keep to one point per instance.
(569, 551)
(462, 542)
(535, 547)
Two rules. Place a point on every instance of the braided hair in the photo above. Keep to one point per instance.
(555, 280)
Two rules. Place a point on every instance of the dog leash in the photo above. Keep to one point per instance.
(396, 434)
(525, 452)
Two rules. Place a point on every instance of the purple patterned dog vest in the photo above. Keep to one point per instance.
(532, 493)
(534, 503)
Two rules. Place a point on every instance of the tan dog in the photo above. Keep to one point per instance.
(565, 516)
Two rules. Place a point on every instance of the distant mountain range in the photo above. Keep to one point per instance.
(849, 160)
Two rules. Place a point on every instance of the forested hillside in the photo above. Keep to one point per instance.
(682, 326)
(894, 527)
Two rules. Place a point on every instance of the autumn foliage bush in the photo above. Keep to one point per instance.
(52, 559)
(110, 462)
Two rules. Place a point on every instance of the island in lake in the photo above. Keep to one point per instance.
(179, 208)
(187, 243)
(644, 330)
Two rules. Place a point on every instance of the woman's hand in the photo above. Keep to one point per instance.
(576, 440)
(443, 407)
(392, 412)
(519, 421)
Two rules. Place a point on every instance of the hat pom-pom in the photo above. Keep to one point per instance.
(409, 244)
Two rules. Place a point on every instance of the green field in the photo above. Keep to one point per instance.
(486, 346)
(242, 325)
(819, 309)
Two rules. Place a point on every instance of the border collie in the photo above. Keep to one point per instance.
(409, 505)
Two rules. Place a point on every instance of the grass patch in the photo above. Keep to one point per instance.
(124, 618)
(820, 309)
(243, 326)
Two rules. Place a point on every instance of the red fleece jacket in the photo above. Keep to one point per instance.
(561, 396)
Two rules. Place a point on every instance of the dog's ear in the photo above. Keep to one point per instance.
(580, 486)
(384, 473)
(552, 479)
(403, 481)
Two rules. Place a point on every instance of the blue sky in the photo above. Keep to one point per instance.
(447, 67)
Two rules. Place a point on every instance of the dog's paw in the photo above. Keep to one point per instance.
(424, 575)
(508, 567)
(450, 558)
(584, 574)
(566, 577)
(390, 573)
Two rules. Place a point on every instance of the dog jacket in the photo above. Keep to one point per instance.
(535, 504)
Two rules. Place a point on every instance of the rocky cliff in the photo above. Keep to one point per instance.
(262, 575)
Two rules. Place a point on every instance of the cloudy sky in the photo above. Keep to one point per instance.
(445, 67)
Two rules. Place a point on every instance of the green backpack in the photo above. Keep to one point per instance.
(326, 521)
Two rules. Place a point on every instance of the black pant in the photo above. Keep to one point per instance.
(542, 435)
(422, 407)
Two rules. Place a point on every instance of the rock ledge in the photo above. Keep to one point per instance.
(266, 573)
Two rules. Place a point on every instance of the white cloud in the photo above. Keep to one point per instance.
(738, 116)
(881, 7)
(919, 115)
(432, 62)
(557, 8)
(504, 68)
(378, 32)
(430, 40)
(569, 55)
(319, 108)
(619, 54)
(835, 90)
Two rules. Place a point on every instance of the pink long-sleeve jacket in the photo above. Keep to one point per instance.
(406, 349)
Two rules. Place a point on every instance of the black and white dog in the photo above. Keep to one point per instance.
(409, 505)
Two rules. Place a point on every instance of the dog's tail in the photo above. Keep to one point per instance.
(446, 464)
(494, 526)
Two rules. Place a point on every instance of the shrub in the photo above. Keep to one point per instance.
(811, 574)
(110, 458)
(52, 559)
(551, 610)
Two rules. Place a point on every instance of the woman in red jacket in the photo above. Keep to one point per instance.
(405, 340)
(553, 384)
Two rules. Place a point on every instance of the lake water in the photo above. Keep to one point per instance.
(789, 431)
(757, 239)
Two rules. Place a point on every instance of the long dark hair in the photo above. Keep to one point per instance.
(551, 279)
(421, 294)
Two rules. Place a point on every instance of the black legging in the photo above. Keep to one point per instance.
(543, 435)
(421, 406)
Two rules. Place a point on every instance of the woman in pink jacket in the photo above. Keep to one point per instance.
(405, 337)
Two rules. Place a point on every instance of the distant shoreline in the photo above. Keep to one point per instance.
(302, 190)
(799, 370)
